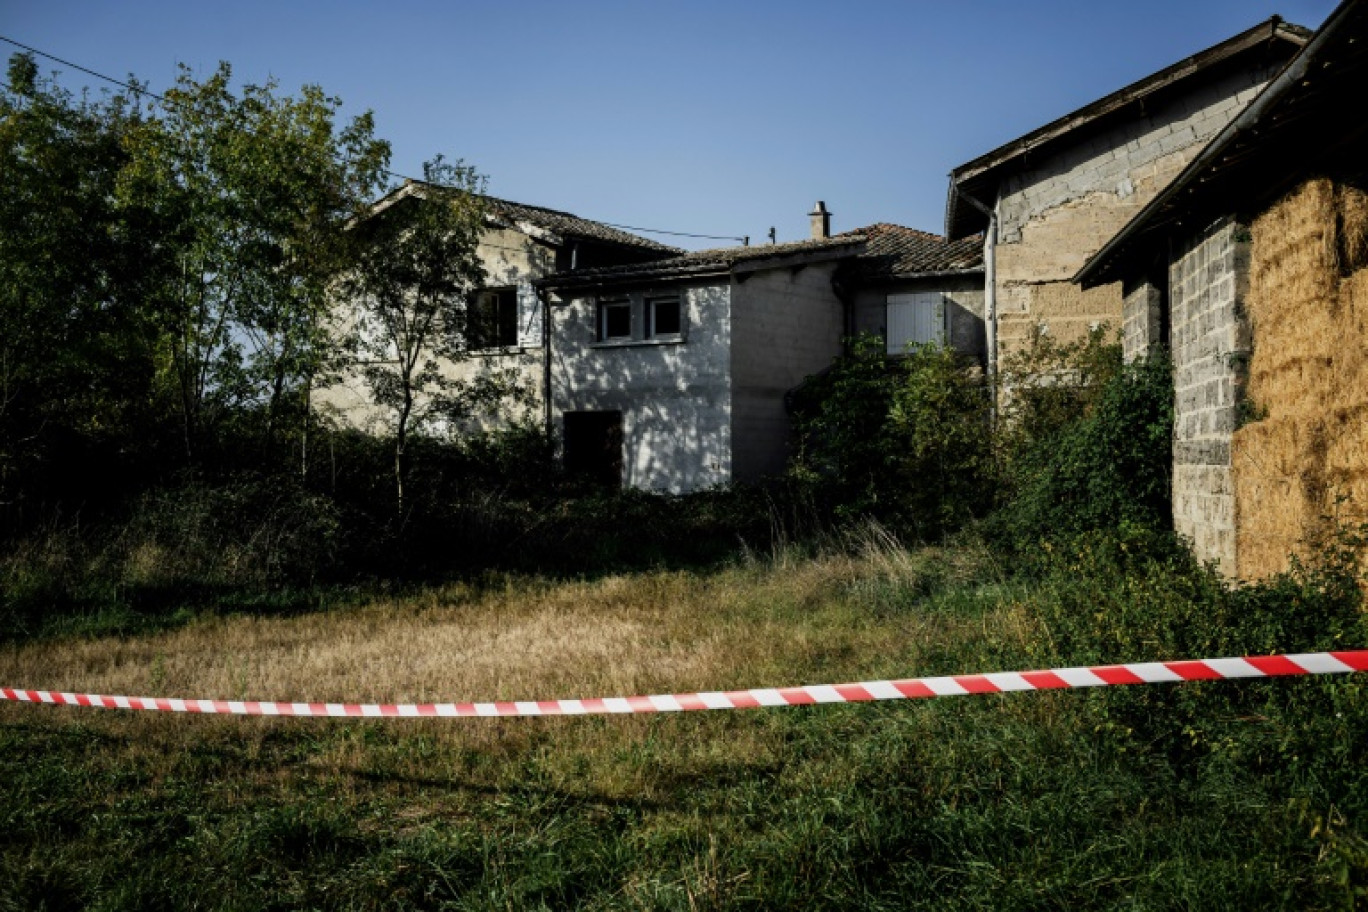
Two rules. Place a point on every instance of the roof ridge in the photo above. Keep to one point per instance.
(548, 209)
(881, 226)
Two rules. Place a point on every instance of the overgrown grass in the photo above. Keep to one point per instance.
(267, 544)
(1220, 795)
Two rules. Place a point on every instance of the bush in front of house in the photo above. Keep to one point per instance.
(1086, 443)
(904, 440)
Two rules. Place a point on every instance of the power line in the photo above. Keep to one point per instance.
(162, 100)
(86, 70)
(710, 237)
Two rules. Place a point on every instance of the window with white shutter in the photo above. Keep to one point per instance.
(914, 319)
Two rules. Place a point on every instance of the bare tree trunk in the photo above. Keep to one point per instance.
(400, 442)
(304, 431)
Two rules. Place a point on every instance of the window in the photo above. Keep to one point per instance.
(915, 319)
(492, 319)
(614, 319)
(662, 316)
(640, 319)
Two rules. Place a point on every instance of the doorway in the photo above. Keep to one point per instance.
(593, 446)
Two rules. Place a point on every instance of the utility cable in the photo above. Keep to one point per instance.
(162, 100)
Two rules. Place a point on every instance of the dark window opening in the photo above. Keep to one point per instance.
(615, 319)
(663, 317)
(492, 319)
(593, 446)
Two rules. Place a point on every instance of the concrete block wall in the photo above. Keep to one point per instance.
(786, 325)
(675, 396)
(1065, 205)
(1141, 319)
(1208, 279)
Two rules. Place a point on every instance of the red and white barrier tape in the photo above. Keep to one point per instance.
(1311, 663)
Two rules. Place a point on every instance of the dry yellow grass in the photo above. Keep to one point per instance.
(613, 636)
(757, 626)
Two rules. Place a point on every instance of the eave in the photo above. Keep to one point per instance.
(979, 178)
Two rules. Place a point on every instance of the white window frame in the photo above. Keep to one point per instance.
(916, 317)
(601, 318)
(648, 312)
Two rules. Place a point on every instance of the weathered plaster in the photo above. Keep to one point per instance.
(1059, 210)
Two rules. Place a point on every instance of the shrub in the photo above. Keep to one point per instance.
(904, 440)
(1139, 596)
(250, 529)
(1087, 444)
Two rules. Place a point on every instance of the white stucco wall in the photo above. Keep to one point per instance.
(675, 397)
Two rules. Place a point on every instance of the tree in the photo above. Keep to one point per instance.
(415, 268)
(249, 198)
(77, 354)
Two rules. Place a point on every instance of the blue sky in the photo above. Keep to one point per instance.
(703, 117)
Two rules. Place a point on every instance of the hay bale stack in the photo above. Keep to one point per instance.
(1353, 207)
(1307, 456)
(1265, 466)
(1293, 273)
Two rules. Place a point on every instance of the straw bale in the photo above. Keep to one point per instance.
(1272, 514)
(1346, 451)
(1294, 256)
(1353, 309)
(1309, 374)
(1353, 206)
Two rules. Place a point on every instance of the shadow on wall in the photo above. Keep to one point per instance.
(672, 395)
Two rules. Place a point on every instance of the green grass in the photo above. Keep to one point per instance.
(1211, 796)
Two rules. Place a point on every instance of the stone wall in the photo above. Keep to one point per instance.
(1208, 280)
(1142, 305)
(1063, 206)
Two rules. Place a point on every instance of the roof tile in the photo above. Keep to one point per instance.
(565, 223)
(895, 252)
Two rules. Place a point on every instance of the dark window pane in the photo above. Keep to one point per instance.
(664, 316)
(508, 317)
(616, 320)
(492, 319)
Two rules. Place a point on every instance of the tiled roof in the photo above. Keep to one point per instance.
(698, 262)
(564, 224)
(895, 252)
(567, 224)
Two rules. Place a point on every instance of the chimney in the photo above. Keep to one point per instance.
(820, 220)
